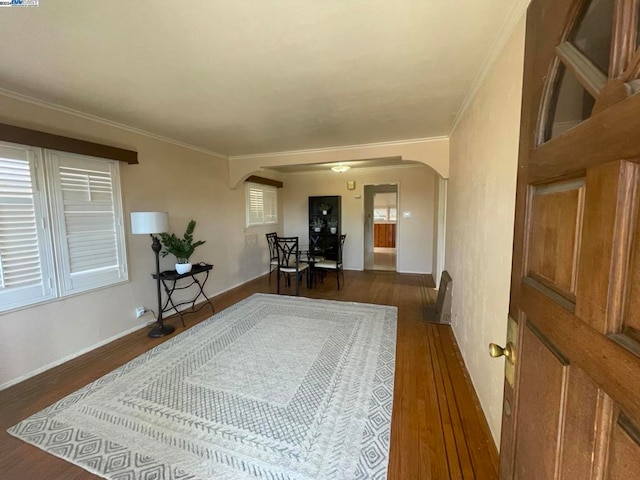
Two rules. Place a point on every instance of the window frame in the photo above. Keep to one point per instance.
(69, 283)
(387, 214)
(271, 190)
(46, 204)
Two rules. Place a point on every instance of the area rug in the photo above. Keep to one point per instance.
(273, 387)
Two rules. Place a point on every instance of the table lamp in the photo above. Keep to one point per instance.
(151, 223)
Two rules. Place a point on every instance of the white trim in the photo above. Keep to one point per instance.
(440, 243)
(140, 326)
(518, 9)
(62, 360)
(104, 121)
(345, 147)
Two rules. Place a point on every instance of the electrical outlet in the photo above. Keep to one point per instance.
(140, 311)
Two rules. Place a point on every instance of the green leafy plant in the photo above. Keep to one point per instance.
(324, 207)
(316, 223)
(333, 223)
(181, 248)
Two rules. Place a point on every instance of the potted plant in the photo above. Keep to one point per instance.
(333, 225)
(181, 248)
(316, 224)
(324, 208)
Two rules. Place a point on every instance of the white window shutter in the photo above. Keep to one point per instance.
(89, 229)
(255, 214)
(25, 246)
(270, 205)
(262, 204)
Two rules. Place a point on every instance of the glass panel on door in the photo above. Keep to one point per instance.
(571, 105)
(593, 33)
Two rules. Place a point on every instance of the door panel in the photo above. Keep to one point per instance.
(630, 327)
(542, 390)
(606, 184)
(586, 406)
(555, 228)
(624, 453)
(574, 411)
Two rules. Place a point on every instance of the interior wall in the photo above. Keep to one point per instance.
(439, 227)
(433, 152)
(186, 183)
(480, 213)
(415, 196)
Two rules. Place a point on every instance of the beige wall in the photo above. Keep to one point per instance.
(186, 183)
(415, 195)
(480, 212)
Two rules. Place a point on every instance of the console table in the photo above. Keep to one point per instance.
(170, 278)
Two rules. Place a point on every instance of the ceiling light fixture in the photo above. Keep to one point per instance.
(341, 168)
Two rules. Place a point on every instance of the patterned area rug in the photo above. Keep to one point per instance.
(272, 388)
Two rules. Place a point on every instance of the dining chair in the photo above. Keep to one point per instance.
(315, 247)
(273, 252)
(289, 262)
(334, 264)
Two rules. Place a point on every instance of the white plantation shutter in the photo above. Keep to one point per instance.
(270, 205)
(262, 204)
(86, 203)
(25, 259)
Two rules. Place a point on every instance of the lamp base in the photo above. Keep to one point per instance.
(161, 331)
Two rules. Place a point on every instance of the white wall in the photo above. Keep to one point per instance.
(439, 228)
(186, 183)
(415, 195)
(480, 212)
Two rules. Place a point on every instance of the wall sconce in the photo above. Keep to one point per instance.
(351, 184)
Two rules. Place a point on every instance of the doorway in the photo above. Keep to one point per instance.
(381, 232)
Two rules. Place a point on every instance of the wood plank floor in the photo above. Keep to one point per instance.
(438, 430)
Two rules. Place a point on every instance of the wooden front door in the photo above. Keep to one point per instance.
(574, 409)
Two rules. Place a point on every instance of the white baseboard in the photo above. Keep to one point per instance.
(62, 360)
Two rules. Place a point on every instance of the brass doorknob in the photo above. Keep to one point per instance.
(509, 352)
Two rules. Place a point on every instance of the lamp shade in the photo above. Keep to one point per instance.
(149, 222)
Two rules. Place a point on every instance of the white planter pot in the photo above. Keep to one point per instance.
(324, 212)
(333, 229)
(317, 229)
(183, 268)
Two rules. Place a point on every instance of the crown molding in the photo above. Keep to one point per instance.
(94, 118)
(333, 149)
(518, 9)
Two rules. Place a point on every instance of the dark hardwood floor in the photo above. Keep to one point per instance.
(438, 430)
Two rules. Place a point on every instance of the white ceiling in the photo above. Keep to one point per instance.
(241, 77)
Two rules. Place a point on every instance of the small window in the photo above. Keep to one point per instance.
(88, 226)
(68, 214)
(385, 214)
(380, 214)
(262, 204)
(26, 266)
